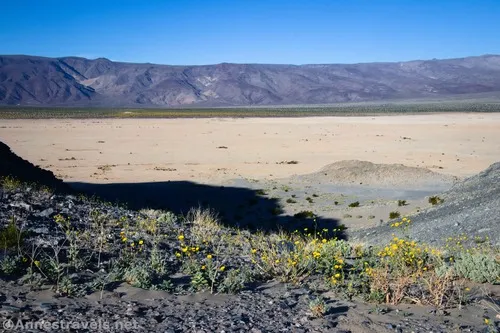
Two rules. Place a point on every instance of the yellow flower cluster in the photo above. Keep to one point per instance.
(186, 249)
(131, 242)
(405, 222)
(338, 271)
(405, 253)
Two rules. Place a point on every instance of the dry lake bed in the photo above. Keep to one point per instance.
(306, 164)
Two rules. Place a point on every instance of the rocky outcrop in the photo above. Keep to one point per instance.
(20, 169)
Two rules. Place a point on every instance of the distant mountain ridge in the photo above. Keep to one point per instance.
(74, 81)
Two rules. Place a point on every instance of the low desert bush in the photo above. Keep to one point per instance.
(305, 214)
(318, 307)
(10, 183)
(435, 200)
(394, 215)
(478, 267)
(10, 236)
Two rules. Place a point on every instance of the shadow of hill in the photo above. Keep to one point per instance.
(236, 206)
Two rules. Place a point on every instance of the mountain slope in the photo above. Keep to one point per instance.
(73, 81)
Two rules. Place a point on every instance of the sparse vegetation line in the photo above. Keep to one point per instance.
(7, 112)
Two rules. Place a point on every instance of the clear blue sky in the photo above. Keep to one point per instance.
(251, 31)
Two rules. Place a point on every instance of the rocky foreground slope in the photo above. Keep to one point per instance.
(100, 267)
(72, 81)
(471, 207)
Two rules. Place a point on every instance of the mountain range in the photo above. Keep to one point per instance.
(74, 81)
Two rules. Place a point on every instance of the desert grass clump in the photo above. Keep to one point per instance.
(276, 211)
(402, 203)
(394, 215)
(139, 275)
(288, 162)
(10, 183)
(435, 200)
(10, 236)
(318, 307)
(305, 214)
(354, 204)
(260, 192)
(204, 225)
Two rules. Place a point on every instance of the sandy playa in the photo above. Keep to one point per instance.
(138, 150)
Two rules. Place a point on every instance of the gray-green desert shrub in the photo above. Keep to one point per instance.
(10, 265)
(478, 267)
(139, 276)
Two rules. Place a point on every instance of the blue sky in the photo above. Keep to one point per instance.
(251, 31)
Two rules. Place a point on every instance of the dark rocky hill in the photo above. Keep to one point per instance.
(14, 166)
(72, 81)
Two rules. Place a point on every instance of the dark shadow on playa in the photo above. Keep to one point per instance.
(236, 206)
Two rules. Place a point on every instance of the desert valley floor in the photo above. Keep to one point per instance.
(218, 149)
(291, 159)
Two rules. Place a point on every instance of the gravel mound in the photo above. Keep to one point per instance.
(470, 207)
(353, 172)
(15, 166)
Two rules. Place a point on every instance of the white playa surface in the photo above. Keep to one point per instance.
(143, 150)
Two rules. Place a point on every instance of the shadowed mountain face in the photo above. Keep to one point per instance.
(72, 81)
